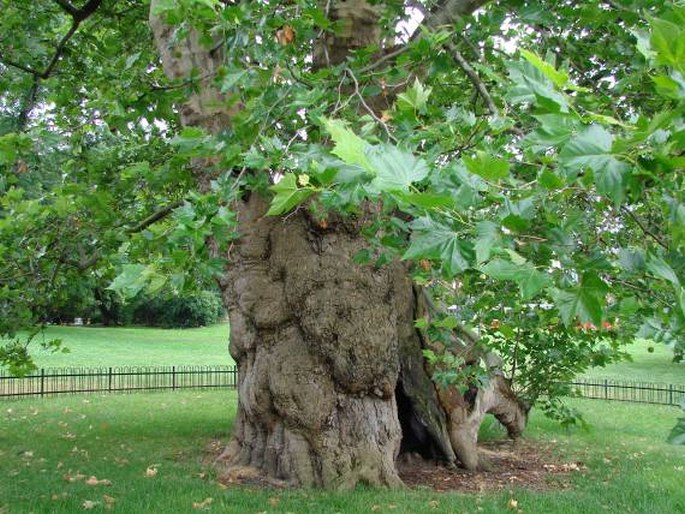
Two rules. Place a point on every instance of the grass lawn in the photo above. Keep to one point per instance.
(647, 366)
(50, 448)
(139, 346)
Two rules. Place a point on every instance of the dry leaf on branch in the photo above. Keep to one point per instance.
(285, 35)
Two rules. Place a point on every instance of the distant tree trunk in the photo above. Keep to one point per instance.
(332, 381)
(105, 304)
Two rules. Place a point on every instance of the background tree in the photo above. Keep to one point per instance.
(326, 170)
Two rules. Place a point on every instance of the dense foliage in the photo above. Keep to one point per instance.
(528, 160)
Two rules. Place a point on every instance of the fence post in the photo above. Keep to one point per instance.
(173, 378)
(606, 389)
(109, 380)
(42, 381)
(670, 394)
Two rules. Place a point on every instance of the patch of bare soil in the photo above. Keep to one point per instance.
(521, 464)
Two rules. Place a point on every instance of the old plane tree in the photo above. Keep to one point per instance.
(363, 180)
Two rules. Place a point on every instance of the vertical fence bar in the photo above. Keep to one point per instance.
(42, 382)
(109, 380)
(606, 389)
(670, 394)
(173, 378)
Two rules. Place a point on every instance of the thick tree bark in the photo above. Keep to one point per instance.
(332, 382)
(317, 340)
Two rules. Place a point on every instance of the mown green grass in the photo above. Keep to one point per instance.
(651, 362)
(628, 466)
(134, 346)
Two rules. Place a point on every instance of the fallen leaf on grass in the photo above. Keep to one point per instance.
(151, 471)
(512, 504)
(93, 481)
(434, 504)
(274, 501)
(375, 508)
(57, 497)
(73, 478)
(89, 504)
(109, 502)
(204, 504)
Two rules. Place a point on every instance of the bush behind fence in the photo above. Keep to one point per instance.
(54, 381)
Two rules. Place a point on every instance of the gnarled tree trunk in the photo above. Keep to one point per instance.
(316, 339)
(332, 380)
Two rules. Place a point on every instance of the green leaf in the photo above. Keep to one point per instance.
(533, 87)
(415, 98)
(643, 43)
(584, 302)
(431, 240)
(558, 78)
(554, 130)
(427, 200)
(488, 235)
(660, 268)
(395, 169)
(592, 149)
(348, 146)
(529, 279)
(486, 166)
(288, 195)
(668, 43)
(133, 278)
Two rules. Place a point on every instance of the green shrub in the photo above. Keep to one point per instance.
(188, 310)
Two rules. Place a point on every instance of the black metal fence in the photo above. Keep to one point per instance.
(54, 381)
(638, 392)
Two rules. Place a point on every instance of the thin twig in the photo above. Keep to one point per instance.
(644, 229)
(366, 106)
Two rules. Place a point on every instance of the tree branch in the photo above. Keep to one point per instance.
(78, 16)
(66, 6)
(473, 77)
(20, 67)
(451, 11)
(155, 217)
(58, 52)
(643, 228)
